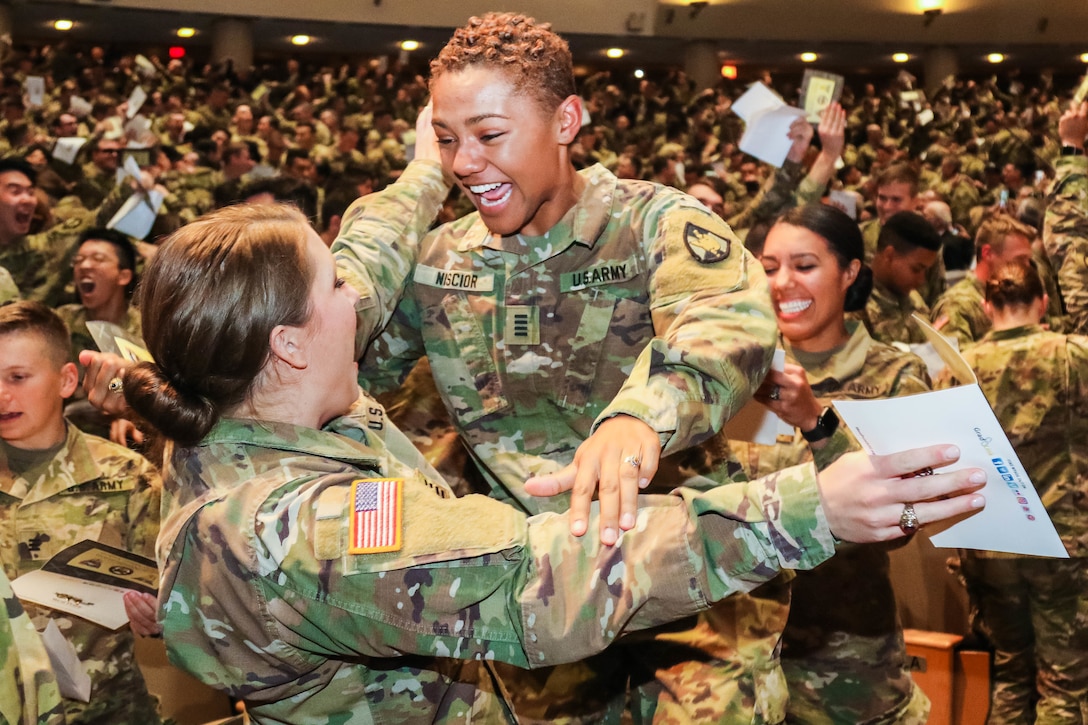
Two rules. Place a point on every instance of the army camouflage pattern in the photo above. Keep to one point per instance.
(94, 490)
(961, 308)
(1034, 612)
(41, 263)
(887, 315)
(614, 299)
(28, 687)
(1037, 383)
(1065, 237)
(842, 650)
(75, 318)
(258, 520)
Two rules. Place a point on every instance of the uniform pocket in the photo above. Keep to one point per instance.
(470, 379)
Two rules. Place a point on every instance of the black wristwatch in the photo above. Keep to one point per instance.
(1072, 151)
(826, 425)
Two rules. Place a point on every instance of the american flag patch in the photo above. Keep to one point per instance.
(375, 515)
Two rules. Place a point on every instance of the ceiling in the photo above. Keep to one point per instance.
(659, 40)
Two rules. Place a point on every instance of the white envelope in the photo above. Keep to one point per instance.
(35, 91)
(72, 680)
(767, 123)
(135, 101)
(136, 217)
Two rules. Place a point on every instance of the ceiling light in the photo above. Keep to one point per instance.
(186, 32)
(995, 57)
(1084, 57)
(900, 57)
(639, 73)
(614, 52)
(729, 71)
(409, 45)
(63, 25)
(300, 40)
(809, 57)
(924, 5)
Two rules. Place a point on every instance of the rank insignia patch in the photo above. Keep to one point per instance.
(376, 519)
(705, 246)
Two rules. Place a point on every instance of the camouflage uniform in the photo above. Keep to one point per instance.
(95, 490)
(961, 306)
(41, 264)
(95, 185)
(639, 301)
(842, 649)
(75, 317)
(28, 687)
(1034, 610)
(1065, 236)
(888, 316)
(307, 632)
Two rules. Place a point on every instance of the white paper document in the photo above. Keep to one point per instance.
(767, 121)
(135, 101)
(35, 91)
(99, 603)
(755, 422)
(67, 147)
(72, 680)
(1014, 519)
(136, 217)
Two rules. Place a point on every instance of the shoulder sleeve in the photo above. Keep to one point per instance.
(713, 322)
(1065, 236)
(377, 245)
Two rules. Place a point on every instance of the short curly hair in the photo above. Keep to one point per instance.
(538, 60)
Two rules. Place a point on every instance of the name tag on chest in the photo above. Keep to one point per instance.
(596, 276)
(454, 279)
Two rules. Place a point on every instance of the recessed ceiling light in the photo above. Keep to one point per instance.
(900, 57)
(409, 45)
(186, 32)
(995, 57)
(809, 57)
(1084, 57)
(639, 73)
(614, 52)
(300, 40)
(63, 25)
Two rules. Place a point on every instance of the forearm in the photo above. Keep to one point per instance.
(377, 245)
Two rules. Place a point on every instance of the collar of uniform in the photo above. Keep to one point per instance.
(587, 219)
(72, 466)
(1013, 332)
(844, 364)
(887, 298)
(342, 439)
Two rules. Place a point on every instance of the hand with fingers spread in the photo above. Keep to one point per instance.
(864, 496)
(801, 134)
(1073, 125)
(616, 462)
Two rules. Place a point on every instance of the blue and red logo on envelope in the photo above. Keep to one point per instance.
(376, 516)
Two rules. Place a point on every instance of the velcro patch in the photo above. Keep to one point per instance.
(705, 246)
(454, 279)
(376, 516)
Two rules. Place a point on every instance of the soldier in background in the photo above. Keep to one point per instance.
(1034, 610)
(28, 687)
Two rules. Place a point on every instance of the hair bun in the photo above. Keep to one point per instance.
(180, 414)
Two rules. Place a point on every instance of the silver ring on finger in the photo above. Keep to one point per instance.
(633, 461)
(776, 392)
(908, 520)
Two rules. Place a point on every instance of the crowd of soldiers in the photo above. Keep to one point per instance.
(993, 170)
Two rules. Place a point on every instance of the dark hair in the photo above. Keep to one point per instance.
(126, 251)
(287, 190)
(537, 59)
(1014, 284)
(34, 317)
(899, 174)
(17, 163)
(843, 239)
(906, 231)
(209, 300)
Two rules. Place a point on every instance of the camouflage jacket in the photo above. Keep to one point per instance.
(263, 539)
(960, 314)
(75, 317)
(843, 643)
(640, 301)
(1065, 236)
(28, 687)
(888, 316)
(41, 264)
(95, 490)
(1037, 383)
